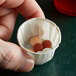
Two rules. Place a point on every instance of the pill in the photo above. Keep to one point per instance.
(38, 47)
(35, 39)
(47, 44)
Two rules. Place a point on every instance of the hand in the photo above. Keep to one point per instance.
(12, 56)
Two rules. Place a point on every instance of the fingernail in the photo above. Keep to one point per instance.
(2, 1)
(27, 65)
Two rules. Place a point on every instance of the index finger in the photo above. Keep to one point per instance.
(30, 9)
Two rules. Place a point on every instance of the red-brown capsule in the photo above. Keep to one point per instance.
(38, 47)
(47, 44)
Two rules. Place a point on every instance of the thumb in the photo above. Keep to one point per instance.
(12, 57)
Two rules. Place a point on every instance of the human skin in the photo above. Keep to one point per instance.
(13, 56)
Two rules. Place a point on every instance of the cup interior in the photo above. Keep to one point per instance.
(36, 27)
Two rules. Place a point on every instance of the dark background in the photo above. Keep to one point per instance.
(64, 61)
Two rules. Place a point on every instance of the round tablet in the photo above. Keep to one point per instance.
(47, 44)
(38, 47)
(35, 39)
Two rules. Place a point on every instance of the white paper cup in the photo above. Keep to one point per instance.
(45, 29)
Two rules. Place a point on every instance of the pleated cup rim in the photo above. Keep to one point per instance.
(40, 52)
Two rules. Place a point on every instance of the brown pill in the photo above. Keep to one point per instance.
(38, 47)
(35, 39)
(47, 44)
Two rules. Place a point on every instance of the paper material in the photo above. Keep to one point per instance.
(44, 28)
